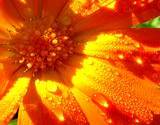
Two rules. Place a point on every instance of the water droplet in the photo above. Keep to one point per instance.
(139, 61)
(137, 45)
(90, 62)
(59, 114)
(136, 120)
(109, 121)
(101, 100)
(120, 56)
(50, 99)
(119, 35)
(51, 88)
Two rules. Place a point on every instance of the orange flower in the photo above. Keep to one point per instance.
(77, 62)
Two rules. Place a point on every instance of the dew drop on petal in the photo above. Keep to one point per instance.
(59, 114)
(101, 100)
(51, 88)
(109, 121)
(136, 120)
(120, 56)
(50, 99)
(139, 61)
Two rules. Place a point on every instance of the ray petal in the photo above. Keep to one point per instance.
(111, 64)
(141, 10)
(55, 102)
(10, 102)
(53, 8)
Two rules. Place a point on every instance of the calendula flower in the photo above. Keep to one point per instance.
(79, 62)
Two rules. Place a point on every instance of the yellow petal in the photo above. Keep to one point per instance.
(87, 7)
(92, 112)
(129, 93)
(53, 8)
(23, 117)
(61, 102)
(10, 102)
(104, 45)
(55, 102)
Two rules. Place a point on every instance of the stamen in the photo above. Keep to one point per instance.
(43, 49)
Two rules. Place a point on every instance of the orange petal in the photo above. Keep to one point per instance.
(146, 36)
(8, 72)
(23, 117)
(128, 92)
(9, 11)
(130, 46)
(53, 8)
(102, 19)
(55, 102)
(20, 10)
(105, 45)
(25, 8)
(141, 10)
(10, 102)
(92, 112)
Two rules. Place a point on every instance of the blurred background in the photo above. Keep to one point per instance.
(155, 23)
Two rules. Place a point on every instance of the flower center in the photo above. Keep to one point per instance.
(40, 48)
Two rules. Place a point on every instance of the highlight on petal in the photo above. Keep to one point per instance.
(87, 7)
(23, 117)
(92, 112)
(10, 102)
(76, 10)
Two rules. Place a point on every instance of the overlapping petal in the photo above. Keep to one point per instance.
(131, 95)
(141, 10)
(10, 102)
(53, 8)
(104, 67)
(102, 19)
(55, 102)
(21, 9)
(105, 44)
(8, 72)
